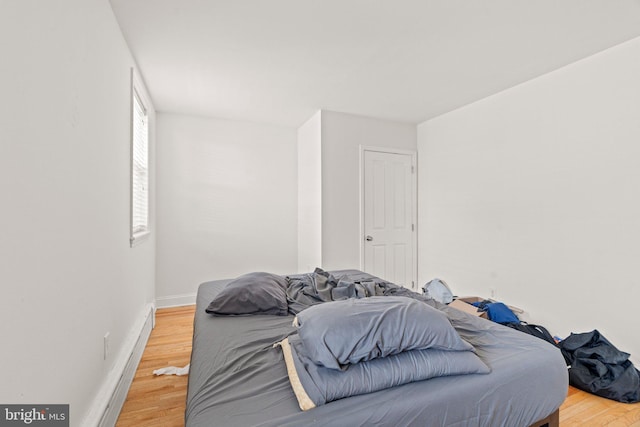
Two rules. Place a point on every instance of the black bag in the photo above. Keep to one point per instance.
(598, 367)
(535, 330)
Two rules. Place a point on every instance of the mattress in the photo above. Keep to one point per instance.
(238, 378)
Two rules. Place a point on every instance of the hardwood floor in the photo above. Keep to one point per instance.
(160, 400)
(584, 409)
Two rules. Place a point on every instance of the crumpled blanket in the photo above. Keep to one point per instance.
(316, 385)
(305, 290)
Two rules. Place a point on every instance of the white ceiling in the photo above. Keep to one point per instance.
(279, 61)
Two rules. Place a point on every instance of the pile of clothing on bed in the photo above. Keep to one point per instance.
(355, 333)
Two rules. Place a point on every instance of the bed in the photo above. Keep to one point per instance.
(239, 378)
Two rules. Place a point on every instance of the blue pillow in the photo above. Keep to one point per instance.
(338, 333)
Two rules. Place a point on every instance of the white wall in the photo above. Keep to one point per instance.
(310, 194)
(68, 273)
(534, 192)
(342, 136)
(227, 202)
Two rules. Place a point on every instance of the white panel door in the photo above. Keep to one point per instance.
(388, 212)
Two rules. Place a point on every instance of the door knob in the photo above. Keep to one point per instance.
(368, 238)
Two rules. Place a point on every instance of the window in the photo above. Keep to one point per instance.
(139, 165)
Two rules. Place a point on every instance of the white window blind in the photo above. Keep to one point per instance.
(139, 169)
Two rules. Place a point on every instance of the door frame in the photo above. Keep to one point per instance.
(414, 201)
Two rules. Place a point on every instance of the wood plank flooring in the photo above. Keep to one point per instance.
(584, 409)
(160, 400)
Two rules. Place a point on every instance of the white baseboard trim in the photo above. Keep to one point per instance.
(107, 404)
(175, 300)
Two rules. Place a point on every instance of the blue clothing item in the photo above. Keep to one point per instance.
(497, 312)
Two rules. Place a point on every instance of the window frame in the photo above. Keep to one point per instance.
(138, 95)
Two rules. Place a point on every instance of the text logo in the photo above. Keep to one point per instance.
(34, 415)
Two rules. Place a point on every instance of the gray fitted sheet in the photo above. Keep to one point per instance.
(237, 378)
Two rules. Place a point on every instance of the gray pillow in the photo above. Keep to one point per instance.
(335, 334)
(253, 293)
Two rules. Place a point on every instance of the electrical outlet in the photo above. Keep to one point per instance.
(106, 346)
